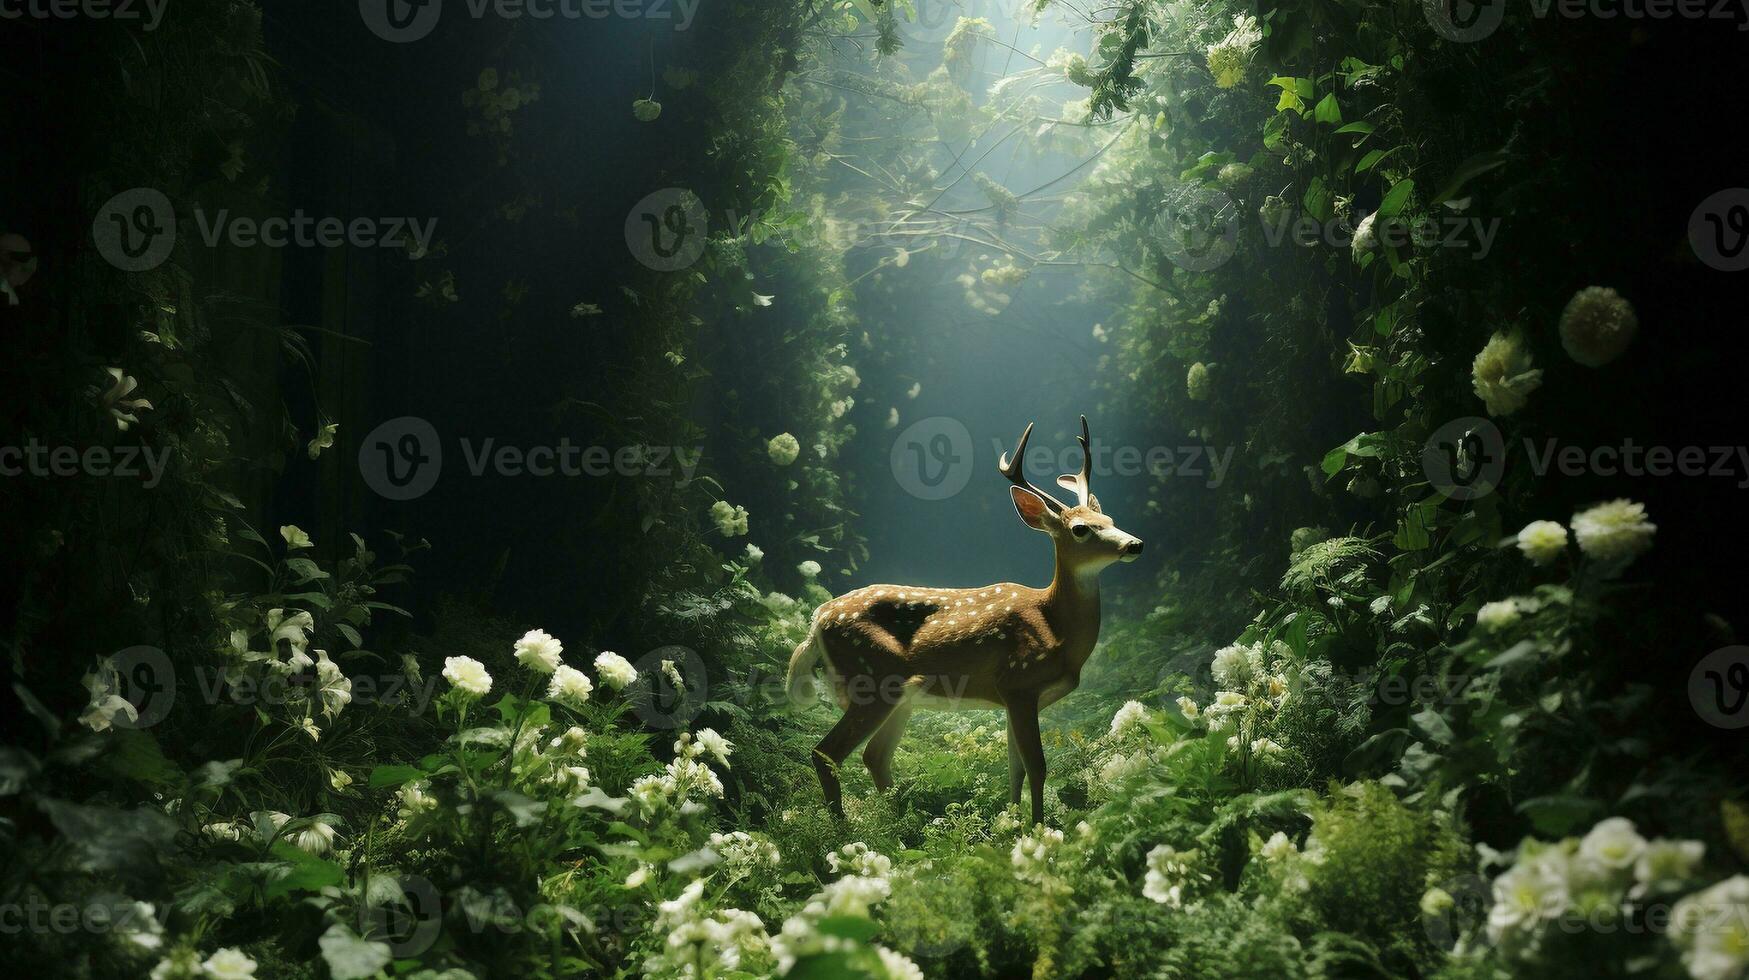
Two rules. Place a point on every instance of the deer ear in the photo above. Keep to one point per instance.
(1093, 503)
(1030, 506)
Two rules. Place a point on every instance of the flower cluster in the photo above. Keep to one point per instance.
(1615, 532)
(743, 853)
(783, 449)
(1230, 57)
(1173, 875)
(859, 859)
(697, 943)
(1591, 881)
(1502, 376)
(1597, 326)
(730, 519)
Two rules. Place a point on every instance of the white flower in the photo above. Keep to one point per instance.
(1502, 376)
(915, 389)
(1543, 541)
(315, 838)
(295, 537)
(714, 745)
(614, 670)
(1234, 666)
(1188, 706)
(1711, 928)
(539, 651)
(1266, 747)
(1171, 873)
(1616, 531)
(1121, 767)
(1229, 57)
(1278, 848)
(743, 852)
(115, 400)
(1127, 717)
(1494, 616)
(1196, 382)
(858, 858)
(414, 799)
(467, 675)
(295, 629)
(228, 964)
(809, 569)
(783, 449)
(898, 965)
(892, 417)
(1366, 237)
(569, 685)
(755, 554)
(573, 742)
(1531, 891)
(639, 875)
(1613, 843)
(324, 439)
(1032, 853)
(106, 704)
(731, 520)
(333, 688)
(1597, 326)
(1667, 862)
(671, 671)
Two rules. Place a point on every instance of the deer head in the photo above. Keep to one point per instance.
(1086, 539)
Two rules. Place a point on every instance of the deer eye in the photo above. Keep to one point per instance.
(1078, 530)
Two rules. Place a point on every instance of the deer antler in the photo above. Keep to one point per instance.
(1012, 469)
(1082, 482)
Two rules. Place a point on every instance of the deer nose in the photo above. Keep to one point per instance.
(1133, 548)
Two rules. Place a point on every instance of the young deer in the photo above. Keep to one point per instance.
(890, 648)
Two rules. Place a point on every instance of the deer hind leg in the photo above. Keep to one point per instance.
(878, 754)
(1016, 768)
(860, 720)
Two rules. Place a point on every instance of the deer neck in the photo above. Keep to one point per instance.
(1072, 606)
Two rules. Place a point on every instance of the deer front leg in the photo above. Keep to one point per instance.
(1023, 725)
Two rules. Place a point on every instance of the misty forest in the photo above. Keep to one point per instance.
(873, 489)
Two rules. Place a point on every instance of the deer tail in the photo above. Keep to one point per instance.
(800, 681)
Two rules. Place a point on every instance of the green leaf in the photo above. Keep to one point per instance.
(305, 570)
(1294, 93)
(1467, 171)
(1360, 126)
(1558, 816)
(1372, 158)
(1396, 198)
(853, 927)
(383, 777)
(1329, 111)
(304, 872)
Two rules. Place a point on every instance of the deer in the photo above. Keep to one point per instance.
(889, 649)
